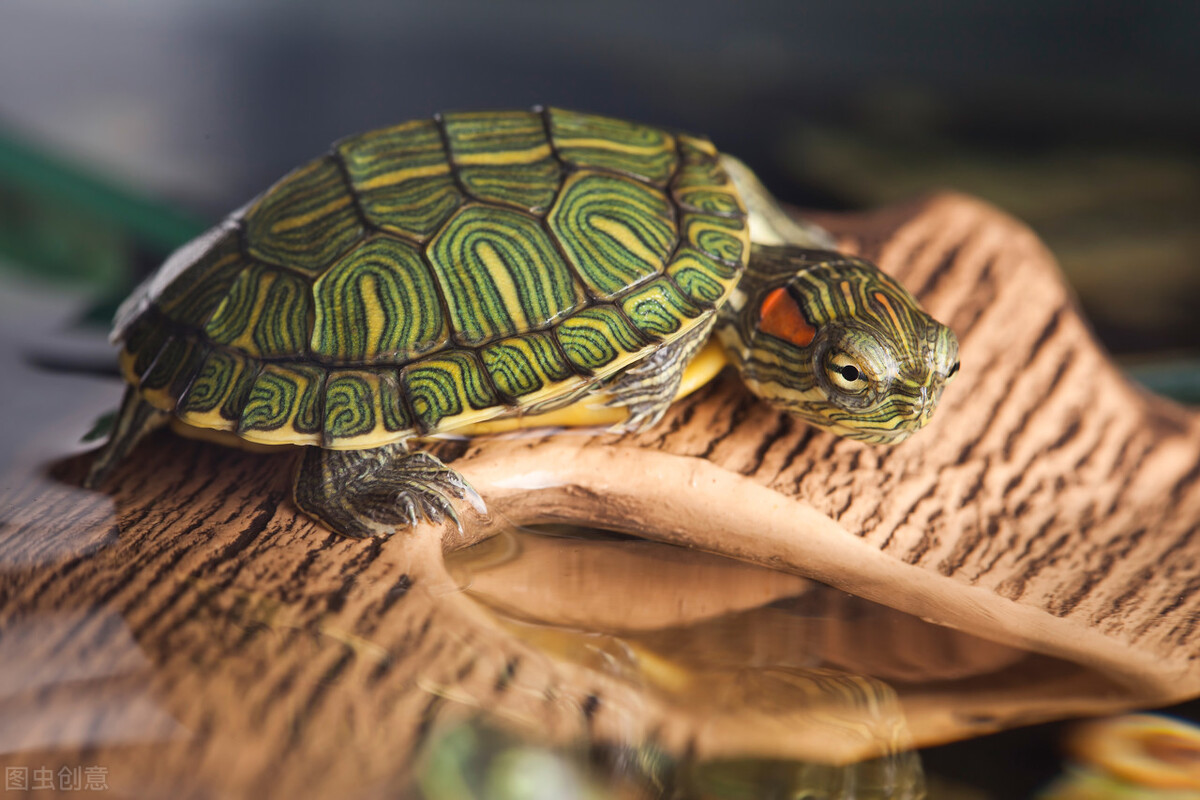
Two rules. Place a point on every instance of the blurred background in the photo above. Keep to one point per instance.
(1080, 118)
(128, 126)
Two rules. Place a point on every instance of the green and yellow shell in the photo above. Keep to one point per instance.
(438, 273)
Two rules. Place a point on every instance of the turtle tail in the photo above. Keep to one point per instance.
(134, 420)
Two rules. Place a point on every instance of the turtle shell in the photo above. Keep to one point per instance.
(438, 273)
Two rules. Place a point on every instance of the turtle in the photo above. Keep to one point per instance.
(429, 276)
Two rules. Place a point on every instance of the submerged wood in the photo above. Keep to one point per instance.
(1050, 507)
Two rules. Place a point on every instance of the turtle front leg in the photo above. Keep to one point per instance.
(361, 493)
(648, 388)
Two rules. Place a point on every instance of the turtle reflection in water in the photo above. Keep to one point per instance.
(439, 273)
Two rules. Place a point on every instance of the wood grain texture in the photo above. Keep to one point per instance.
(188, 625)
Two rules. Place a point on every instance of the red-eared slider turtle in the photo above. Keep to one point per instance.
(438, 273)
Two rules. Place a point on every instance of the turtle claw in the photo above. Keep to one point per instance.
(425, 488)
(365, 493)
(642, 416)
(476, 501)
(646, 398)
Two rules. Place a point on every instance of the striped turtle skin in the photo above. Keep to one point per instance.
(438, 273)
(837, 342)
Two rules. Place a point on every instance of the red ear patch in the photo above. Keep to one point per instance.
(783, 319)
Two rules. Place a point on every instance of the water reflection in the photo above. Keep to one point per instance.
(758, 706)
(565, 575)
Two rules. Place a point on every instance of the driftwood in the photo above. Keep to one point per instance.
(189, 625)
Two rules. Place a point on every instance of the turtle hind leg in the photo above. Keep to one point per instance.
(135, 419)
(648, 388)
(362, 493)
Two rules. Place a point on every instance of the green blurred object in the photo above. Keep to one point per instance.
(62, 223)
(1176, 378)
(473, 761)
(101, 428)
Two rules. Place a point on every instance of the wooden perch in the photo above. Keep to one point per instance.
(1050, 507)
(1051, 504)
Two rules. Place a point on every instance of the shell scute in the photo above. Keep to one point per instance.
(702, 278)
(193, 295)
(504, 157)
(693, 148)
(725, 238)
(353, 408)
(706, 188)
(403, 178)
(616, 231)
(501, 275)
(526, 367)
(377, 305)
(658, 309)
(171, 372)
(306, 220)
(448, 389)
(264, 314)
(217, 392)
(284, 405)
(143, 342)
(598, 142)
(600, 338)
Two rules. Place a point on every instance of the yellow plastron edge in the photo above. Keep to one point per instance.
(592, 411)
(589, 412)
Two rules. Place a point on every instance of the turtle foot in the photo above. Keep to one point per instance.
(363, 493)
(135, 419)
(642, 416)
(648, 388)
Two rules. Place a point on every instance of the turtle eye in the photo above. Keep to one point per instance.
(846, 374)
(952, 372)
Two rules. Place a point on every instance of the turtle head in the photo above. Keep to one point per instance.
(837, 342)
